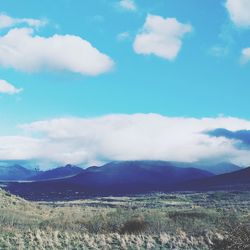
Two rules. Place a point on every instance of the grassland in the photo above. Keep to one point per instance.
(159, 221)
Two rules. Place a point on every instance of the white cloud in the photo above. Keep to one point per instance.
(22, 50)
(125, 137)
(123, 36)
(239, 11)
(245, 55)
(19, 147)
(161, 37)
(8, 88)
(7, 21)
(128, 5)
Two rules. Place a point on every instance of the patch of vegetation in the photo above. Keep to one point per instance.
(158, 221)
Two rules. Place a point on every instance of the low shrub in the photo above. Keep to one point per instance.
(134, 226)
(237, 237)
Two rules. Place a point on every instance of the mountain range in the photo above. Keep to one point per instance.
(127, 178)
(21, 171)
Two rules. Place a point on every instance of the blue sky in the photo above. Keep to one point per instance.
(206, 77)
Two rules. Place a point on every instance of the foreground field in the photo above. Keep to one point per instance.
(158, 221)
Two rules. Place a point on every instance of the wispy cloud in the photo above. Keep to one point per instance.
(161, 37)
(123, 36)
(245, 55)
(219, 51)
(7, 21)
(8, 88)
(128, 5)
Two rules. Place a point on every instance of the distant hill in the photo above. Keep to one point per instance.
(156, 173)
(15, 172)
(217, 168)
(232, 181)
(220, 168)
(115, 178)
(27, 170)
(57, 173)
(128, 178)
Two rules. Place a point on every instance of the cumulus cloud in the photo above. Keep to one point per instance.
(8, 88)
(126, 137)
(7, 21)
(128, 5)
(161, 37)
(239, 12)
(22, 50)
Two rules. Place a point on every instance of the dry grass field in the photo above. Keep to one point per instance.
(158, 221)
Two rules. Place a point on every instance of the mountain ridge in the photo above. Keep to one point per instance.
(115, 178)
(57, 173)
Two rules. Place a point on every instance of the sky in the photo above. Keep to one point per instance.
(86, 82)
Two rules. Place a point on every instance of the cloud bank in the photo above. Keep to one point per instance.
(91, 141)
(8, 88)
(161, 37)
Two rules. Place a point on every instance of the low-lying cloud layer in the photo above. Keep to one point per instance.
(126, 137)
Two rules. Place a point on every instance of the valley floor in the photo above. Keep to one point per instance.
(213, 220)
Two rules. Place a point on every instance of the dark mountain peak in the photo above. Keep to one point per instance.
(144, 174)
(58, 173)
(93, 168)
(70, 166)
